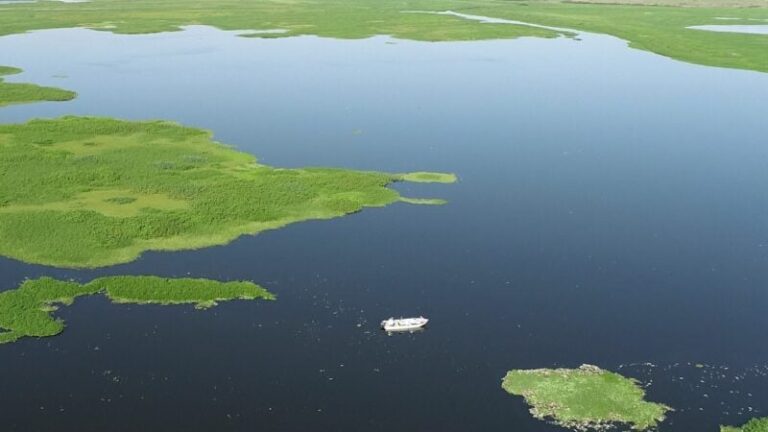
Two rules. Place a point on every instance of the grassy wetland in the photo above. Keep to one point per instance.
(584, 398)
(89, 192)
(27, 310)
(591, 196)
(754, 425)
(662, 30)
(19, 93)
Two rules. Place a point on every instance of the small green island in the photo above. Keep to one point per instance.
(586, 398)
(26, 311)
(86, 192)
(754, 425)
(19, 93)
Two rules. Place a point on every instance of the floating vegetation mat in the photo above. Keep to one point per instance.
(18, 93)
(27, 311)
(90, 192)
(586, 398)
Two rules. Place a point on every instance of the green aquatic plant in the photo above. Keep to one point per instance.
(88, 192)
(584, 398)
(27, 310)
(18, 93)
(428, 177)
(754, 425)
(662, 30)
(8, 70)
(424, 201)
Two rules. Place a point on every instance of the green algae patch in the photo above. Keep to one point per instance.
(428, 177)
(584, 398)
(89, 192)
(754, 425)
(27, 310)
(19, 93)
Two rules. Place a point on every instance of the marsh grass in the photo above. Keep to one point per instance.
(88, 192)
(587, 397)
(18, 93)
(8, 70)
(682, 3)
(27, 310)
(754, 425)
(204, 293)
(328, 18)
(659, 29)
(662, 30)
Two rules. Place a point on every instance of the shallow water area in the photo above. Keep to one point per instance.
(610, 210)
(761, 29)
(491, 20)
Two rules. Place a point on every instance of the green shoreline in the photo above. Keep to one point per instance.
(659, 29)
(584, 398)
(21, 93)
(592, 399)
(26, 311)
(86, 192)
(754, 425)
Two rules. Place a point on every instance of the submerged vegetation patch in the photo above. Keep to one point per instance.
(424, 201)
(754, 425)
(584, 398)
(88, 192)
(428, 177)
(18, 93)
(27, 310)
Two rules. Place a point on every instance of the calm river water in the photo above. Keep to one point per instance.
(612, 210)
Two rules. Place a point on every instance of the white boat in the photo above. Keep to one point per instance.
(404, 324)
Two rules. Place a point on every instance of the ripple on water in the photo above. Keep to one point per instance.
(728, 394)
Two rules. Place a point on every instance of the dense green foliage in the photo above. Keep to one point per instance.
(587, 397)
(86, 192)
(26, 311)
(658, 29)
(17, 93)
(203, 292)
(754, 425)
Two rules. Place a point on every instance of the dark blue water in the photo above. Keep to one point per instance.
(612, 210)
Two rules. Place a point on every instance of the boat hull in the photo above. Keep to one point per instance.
(404, 324)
